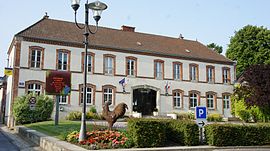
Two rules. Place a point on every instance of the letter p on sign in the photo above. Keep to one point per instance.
(201, 112)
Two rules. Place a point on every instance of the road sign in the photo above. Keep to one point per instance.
(32, 103)
(201, 115)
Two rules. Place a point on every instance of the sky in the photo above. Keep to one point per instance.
(204, 20)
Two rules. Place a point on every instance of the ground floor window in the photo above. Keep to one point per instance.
(62, 99)
(193, 99)
(108, 94)
(177, 98)
(226, 101)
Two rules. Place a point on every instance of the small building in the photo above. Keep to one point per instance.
(166, 73)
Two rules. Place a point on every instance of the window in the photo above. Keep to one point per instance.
(131, 66)
(63, 60)
(90, 62)
(108, 94)
(90, 90)
(193, 99)
(62, 99)
(158, 69)
(210, 101)
(226, 101)
(109, 64)
(34, 86)
(36, 57)
(226, 75)
(194, 73)
(177, 71)
(210, 74)
(177, 98)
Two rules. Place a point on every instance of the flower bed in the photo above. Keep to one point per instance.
(99, 139)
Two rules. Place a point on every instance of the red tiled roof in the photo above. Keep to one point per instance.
(63, 31)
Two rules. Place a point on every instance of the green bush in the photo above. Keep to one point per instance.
(156, 132)
(214, 117)
(147, 132)
(237, 135)
(74, 115)
(185, 116)
(184, 132)
(77, 115)
(93, 109)
(42, 112)
(244, 115)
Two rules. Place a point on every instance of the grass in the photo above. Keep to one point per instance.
(60, 131)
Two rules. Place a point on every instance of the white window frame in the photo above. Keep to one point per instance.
(159, 70)
(35, 61)
(89, 63)
(62, 98)
(35, 89)
(107, 93)
(193, 73)
(226, 101)
(193, 99)
(177, 71)
(63, 54)
(177, 98)
(226, 75)
(210, 98)
(89, 100)
(210, 74)
(109, 64)
(130, 70)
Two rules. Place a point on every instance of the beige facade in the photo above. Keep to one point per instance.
(151, 72)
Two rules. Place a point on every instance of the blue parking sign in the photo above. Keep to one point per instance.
(200, 112)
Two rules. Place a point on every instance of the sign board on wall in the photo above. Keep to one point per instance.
(58, 83)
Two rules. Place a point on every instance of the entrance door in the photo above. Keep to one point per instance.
(144, 101)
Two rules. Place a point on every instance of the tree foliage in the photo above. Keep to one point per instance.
(255, 88)
(249, 46)
(215, 47)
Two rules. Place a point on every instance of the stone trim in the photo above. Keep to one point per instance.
(181, 69)
(162, 65)
(135, 65)
(214, 73)
(197, 71)
(214, 99)
(229, 75)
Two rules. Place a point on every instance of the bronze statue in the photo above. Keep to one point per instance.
(112, 116)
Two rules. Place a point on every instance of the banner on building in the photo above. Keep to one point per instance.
(58, 83)
(8, 71)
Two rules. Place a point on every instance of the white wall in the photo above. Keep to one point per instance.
(145, 68)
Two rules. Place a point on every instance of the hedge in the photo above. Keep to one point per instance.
(156, 132)
(237, 135)
(147, 132)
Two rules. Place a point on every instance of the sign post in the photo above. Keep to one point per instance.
(201, 115)
(58, 83)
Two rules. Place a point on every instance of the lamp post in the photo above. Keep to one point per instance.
(97, 7)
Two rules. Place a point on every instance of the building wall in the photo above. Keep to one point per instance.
(145, 76)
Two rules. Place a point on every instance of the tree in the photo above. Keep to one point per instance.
(255, 88)
(249, 46)
(215, 47)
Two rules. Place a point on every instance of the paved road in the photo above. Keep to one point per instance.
(6, 144)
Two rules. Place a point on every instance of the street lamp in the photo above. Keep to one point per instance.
(97, 7)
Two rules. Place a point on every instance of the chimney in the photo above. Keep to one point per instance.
(128, 28)
(46, 15)
(181, 36)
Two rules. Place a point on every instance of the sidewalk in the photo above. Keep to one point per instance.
(12, 142)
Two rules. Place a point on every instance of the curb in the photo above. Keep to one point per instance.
(49, 143)
(45, 142)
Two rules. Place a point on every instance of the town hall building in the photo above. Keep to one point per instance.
(157, 72)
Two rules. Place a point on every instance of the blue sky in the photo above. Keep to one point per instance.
(205, 20)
